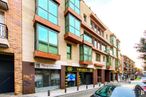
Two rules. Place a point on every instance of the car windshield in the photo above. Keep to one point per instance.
(123, 92)
(105, 91)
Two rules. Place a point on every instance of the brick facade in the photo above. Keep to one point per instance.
(13, 21)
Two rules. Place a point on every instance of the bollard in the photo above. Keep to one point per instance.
(77, 88)
(48, 92)
(99, 84)
(65, 90)
(86, 86)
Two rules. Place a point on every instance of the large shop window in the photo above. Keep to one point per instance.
(72, 25)
(85, 53)
(47, 39)
(87, 38)
(74, 4)
(47, 78)
(48, 10)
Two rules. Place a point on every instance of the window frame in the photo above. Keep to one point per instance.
(88, 36)
(98, 57)
(67, 4)
(85, 17)
(69, 53)
(48, 13)
(37, 41)
(83, 55)
(68, 24)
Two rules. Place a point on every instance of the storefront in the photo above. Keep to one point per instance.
(46, 78)
(99, 76)
(75, 76)
(100, 72)
(108, 76)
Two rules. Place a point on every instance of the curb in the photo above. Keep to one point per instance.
(77, 92)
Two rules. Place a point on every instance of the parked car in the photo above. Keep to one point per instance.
(139, 84)
(119, 90)
(143, 79)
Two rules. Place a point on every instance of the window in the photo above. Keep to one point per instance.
(104, 58)
(87, 38)
(85, 18)
(47, 39)
(1, 17)
(106, 36)
(102, 34)
(69, 50)
(73, 4)
(97, 57)
(95, 44)
(47, 78)
(101, 47)
(48, 10)
(3, 33)
(72, 25)
(85, 53)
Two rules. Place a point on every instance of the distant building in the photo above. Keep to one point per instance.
(128, 67)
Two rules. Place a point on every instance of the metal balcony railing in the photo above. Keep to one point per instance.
(3, 31)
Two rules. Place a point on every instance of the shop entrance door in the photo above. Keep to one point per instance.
(89, 78)
(86, 78)
(6, 73)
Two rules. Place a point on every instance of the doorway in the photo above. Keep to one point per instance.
(6, 73)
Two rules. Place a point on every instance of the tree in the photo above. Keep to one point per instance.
(141, 47)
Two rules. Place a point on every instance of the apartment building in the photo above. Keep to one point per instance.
(51, 44)
(128, 68)
(10, 46)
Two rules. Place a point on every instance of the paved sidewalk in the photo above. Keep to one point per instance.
(56, 93)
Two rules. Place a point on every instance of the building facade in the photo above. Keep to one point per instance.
(128, 68)
(10, 46)
(56, 44)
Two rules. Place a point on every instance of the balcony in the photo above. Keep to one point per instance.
(4, 4)
(69, 10)
(72, 38)
(98, 65)
(87, 43)
(85, 62)
(88, 29)
(3, 36)
(39, 19)
(44, 55)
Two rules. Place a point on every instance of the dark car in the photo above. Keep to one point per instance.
(139, 84)
(113, 90)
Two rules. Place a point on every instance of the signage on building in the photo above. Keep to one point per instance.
(47, 66)
(78, 69)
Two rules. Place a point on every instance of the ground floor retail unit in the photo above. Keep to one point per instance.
(44, 77)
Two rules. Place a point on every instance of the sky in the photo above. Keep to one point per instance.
(125, 18)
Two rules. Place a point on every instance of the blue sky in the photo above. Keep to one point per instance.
(125, 18)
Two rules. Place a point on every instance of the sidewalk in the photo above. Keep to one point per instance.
(56, 93)
(60, 92)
